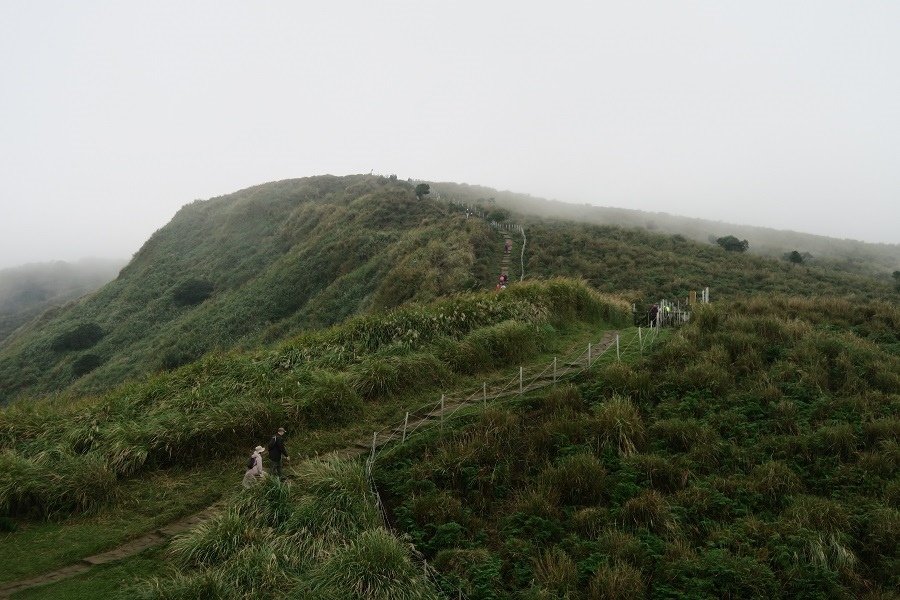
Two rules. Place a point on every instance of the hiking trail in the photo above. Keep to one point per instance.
(357, 448)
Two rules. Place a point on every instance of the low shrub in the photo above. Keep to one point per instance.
(80, 337)
(192, 291)
(85, 364)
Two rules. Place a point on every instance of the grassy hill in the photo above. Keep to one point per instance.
(846, 255)
(753, 455)
(252, 267)
(264, 263)
(29, 290)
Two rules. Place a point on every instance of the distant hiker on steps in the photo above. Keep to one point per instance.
(654, 313)
(277, 451)
(254, 468)
(507, 246)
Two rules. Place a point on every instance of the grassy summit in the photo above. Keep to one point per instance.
(262, 264)
(251, 267)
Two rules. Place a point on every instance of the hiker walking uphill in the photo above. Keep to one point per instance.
(504, 264)
(277, 451)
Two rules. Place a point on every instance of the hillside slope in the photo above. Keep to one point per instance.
(752, 455)
(29, 290)
(847, 255)
(249, 267)
(261, 264)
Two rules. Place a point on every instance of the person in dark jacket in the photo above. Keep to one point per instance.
(277, 452)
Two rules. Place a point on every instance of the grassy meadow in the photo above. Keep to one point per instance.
(59, 456)
(752, 455)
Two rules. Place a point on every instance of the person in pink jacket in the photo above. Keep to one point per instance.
(255, 472)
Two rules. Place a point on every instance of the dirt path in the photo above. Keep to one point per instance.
(357, 448)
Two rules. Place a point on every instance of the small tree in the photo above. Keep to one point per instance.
(732, 244)
(422, 190)
(795, 257)
(897, 280)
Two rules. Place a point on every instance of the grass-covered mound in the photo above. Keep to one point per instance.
(257, 266)
(317, 537)
(754, 455)
(58, 456)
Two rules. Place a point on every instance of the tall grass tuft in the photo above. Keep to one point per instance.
(579, 480)
(214, 541)
(619, 581)
(382, 376)
(555, 571)
(330, 400)
(648, 509)
(818, 514)
(337, 499)
(620, 425)
(774, 481)
(374, 566)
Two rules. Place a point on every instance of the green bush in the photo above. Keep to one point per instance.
(192, 291)
(85, 364)
(80, 337)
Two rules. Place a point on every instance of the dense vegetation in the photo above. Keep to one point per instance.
(754, 455)
(258, 266)
(319, 537)
(60, 455)
(27, 291)
(264, 263)
(647, 267)
(840, 254)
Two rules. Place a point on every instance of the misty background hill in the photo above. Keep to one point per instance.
(255, 266)
(28, 290)
(845, 254)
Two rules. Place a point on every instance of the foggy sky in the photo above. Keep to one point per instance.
(115, 114)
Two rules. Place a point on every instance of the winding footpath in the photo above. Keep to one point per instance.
(163, 535)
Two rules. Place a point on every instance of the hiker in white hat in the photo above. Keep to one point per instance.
(254, 467)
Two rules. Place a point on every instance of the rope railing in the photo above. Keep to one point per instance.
(580, 362)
